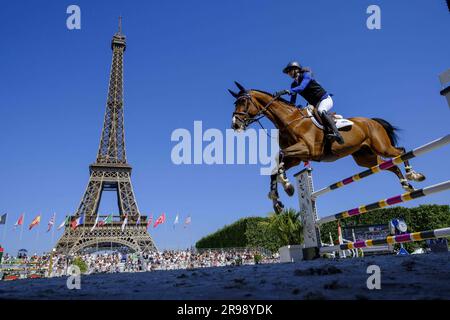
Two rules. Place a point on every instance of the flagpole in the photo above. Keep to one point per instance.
(178, 235)
(37, 230)
(21, 228)
(53, 227)
(190, 233)
(179, 242)
(166, 226)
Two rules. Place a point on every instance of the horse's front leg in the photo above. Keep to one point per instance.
(288, 158)
(273, 194)
(283, 179)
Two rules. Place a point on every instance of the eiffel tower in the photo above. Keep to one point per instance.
(110, 172)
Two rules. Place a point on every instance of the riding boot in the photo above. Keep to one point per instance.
(336, 135)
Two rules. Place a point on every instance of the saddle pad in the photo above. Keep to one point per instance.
(340, 121)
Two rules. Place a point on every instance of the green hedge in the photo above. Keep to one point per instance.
(270, 233)
(230, 236)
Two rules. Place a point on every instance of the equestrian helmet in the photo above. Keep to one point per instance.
(292, 65)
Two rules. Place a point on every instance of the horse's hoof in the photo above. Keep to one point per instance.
(408, 187)
(278, 207)
(273, 195)
(289, 189)
(415, 176)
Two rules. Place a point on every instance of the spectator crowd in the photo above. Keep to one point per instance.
(110, 262)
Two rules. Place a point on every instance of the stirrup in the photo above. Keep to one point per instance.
(335, 137)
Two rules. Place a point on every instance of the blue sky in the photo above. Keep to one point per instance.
(180, 59)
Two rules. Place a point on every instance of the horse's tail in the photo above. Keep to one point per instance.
(390, 130)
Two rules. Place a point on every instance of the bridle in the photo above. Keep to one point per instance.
(248, 120)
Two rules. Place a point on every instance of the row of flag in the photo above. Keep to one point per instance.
(98, 223)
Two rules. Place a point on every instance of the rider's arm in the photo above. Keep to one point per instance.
(305, 81)
(293, 98)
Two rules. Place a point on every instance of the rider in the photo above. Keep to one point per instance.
(313, 93)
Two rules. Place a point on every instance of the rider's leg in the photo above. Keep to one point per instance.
(324, 106)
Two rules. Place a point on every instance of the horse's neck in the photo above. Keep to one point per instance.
(278, 112)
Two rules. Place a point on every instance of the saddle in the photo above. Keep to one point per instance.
(341, 122)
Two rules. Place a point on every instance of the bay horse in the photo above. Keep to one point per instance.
(367, 140)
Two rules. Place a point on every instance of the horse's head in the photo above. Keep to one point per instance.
(246, 109)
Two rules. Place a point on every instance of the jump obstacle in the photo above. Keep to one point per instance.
(407, 237)
(308, 213)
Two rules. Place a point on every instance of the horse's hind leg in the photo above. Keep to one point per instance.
(382, 145)
(403, 181)
(366, 158)
(410, 173)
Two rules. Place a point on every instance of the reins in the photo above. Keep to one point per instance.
(261, 113)
(258, 116)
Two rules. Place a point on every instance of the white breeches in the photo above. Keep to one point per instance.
(325, 105)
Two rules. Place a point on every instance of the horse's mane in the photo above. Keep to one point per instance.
(279, 99)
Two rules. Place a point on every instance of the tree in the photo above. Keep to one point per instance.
(287, 226)
(80, 264)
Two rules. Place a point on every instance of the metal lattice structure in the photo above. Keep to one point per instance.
(110, 172)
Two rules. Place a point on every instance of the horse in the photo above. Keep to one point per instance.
(367, 140)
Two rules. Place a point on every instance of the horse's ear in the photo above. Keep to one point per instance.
(234, 94)
(240, 86)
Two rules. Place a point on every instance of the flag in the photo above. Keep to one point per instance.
(150, 220)
(66, 219)
(3, 219)
(187, 221)
(138, 222)
(125, 221)
(161, 219)
(95, 223)
(176, 221)
(75, 223)
(19, 221)
(107, 220)
(35, 222)
(51, 222)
